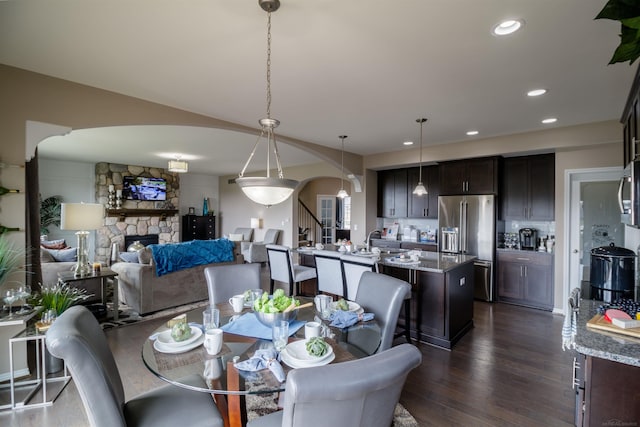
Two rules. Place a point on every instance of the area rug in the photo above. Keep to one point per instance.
(263, 404)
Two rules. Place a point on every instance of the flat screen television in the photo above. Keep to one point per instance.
(143, 188)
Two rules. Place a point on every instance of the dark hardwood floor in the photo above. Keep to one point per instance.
(509, 370)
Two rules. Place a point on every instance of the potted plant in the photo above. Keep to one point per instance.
(628, 13)
(11, 259)
(49, 213)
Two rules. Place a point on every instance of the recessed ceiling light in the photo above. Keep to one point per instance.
(536, 92)
(472, 132)
(549, 120)
(507, 27)
(407, 143)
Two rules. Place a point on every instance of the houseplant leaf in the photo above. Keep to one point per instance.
(50, 209)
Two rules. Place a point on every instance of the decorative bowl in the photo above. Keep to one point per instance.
(269, 319)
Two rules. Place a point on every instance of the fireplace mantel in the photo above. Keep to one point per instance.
(123, 213)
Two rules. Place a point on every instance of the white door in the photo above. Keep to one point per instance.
(594, 221)
(326, 206)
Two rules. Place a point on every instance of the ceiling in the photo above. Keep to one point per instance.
(364, 68)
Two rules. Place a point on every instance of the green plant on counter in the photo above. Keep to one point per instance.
(628, 13)
(58, 297)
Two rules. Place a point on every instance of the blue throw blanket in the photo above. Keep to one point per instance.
(172, 257)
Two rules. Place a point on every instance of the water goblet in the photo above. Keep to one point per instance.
(280, 334)
(23, 292)
(9, 298)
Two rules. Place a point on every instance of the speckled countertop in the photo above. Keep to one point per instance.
(437, 262)
(601, 344)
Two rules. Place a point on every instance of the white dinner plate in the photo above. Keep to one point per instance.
(302, 359)
(167, 340)
(363, 253)
(398, 260)
(353, 306)
(162, 348)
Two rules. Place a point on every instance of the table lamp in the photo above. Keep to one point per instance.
(81, 217)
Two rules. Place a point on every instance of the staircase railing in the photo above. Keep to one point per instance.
(309, 227)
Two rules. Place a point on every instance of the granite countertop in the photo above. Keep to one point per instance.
(601, 344)
(437, 262)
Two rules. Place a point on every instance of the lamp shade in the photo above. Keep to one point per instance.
(81, 216)
(179, 166)
(265, 190)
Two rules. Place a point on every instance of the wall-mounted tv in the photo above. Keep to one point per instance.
(143, 188)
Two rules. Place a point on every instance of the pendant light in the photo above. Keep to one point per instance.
(266, 190)
(342, 193)
(420, 190)
(178, 165)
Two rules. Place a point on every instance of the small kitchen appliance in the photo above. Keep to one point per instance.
(612, 273)
(528, 239)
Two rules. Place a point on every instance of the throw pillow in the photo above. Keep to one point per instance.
(45, 256)
(144, 256)
(236, 237)
(64, 255)
(129, 256)
(53, 244)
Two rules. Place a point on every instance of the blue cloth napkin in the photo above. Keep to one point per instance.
(263, 359)
(344, 319)
(248, 325)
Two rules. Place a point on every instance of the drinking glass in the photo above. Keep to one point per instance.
(256, 294)
(9, 298)
(280, 333)
(23, 292)
(210, 318)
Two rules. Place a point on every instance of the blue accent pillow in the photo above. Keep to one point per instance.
(129, 256)
(63, 255)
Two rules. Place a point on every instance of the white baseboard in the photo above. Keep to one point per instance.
(6, 376)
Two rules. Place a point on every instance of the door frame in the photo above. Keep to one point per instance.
(572, 179)
(319, 199)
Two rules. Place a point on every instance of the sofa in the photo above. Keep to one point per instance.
(145, 291)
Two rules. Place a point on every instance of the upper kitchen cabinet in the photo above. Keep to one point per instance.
(392, 193)
(528, 188)
(473, 176)
(631, 122)
(425, 206)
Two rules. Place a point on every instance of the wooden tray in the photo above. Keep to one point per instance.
(598, 322)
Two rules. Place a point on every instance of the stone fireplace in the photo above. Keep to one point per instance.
(117, 229)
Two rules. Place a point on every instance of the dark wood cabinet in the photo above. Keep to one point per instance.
(392, 193)
(198, 227)
(528, 188)
(631, 121)
(425, 206)
(526, 278)
(441, 303)
(606, 392)
(473, 176)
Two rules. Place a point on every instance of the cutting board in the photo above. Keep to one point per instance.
(598, 322)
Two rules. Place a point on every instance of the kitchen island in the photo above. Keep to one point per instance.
(442, 294)
(606, 373)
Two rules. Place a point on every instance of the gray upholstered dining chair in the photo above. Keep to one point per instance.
(329, 273)
(225, 281)
(257, 251)
(352, 267)
(76, 337)
(282, 269)
(362, 392)
(383, 296)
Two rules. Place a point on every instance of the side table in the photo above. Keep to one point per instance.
(103, 277)
(41, 381)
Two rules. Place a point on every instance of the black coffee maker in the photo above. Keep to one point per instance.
(528, 239)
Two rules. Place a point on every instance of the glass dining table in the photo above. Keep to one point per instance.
(228, 384)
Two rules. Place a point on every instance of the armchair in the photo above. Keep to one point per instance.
(247, 234)
(257, 251)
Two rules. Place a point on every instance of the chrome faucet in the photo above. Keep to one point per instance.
(368, 242)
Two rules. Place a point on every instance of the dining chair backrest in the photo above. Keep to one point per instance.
(362, 392)
(352, 268)
(329, 272)
(77, 338)
(225, 281)
(383, 296)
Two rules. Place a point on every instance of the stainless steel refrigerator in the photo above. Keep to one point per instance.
(467, 226)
